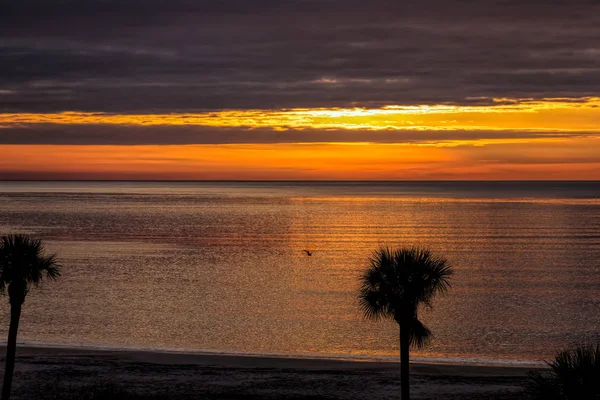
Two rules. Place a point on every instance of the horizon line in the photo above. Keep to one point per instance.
(300, 180)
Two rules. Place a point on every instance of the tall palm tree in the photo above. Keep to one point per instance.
(23, 263)
(396, 283)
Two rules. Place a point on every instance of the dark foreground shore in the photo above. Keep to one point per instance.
(59, 373)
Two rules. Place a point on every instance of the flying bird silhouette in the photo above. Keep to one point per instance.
(308, 253)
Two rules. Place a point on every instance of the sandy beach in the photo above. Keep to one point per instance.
(57, 372)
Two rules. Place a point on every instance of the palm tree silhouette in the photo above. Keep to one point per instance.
(573, 375)
(22, 264)
(396, 283)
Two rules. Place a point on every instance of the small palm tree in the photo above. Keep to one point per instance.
(22, 264)
(574, 375)
(396, 284)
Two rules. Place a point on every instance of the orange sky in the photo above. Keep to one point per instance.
(569, 150)
(562, 159)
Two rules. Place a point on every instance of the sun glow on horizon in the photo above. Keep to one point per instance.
(564, 159)
(559, 114)
(567, 147)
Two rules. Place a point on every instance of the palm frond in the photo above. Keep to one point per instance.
(573, 375)
(420, 335)
(375, 291)
(23, 262)
(49, 266)
(371, 307)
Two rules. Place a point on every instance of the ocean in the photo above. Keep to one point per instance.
(220, 267)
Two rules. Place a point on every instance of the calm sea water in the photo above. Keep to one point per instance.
(197, 266)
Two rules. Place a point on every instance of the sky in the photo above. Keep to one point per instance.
(299, 89)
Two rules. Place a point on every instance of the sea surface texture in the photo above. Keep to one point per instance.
(220, 267)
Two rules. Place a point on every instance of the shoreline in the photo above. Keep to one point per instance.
(246, 360)
(418, 360)
(74, 373)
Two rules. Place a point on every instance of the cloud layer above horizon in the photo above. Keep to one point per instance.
(151, 73)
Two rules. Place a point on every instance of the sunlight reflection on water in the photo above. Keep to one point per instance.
(220, 267)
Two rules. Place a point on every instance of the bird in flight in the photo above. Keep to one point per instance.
(308, 253)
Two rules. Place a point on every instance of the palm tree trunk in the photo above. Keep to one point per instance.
(404, 364)
(11, 349)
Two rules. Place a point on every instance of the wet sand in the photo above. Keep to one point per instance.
(39, 371)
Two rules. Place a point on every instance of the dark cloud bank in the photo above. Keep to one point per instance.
(182, 56)
(179, 135)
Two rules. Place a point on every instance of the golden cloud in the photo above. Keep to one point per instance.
(554, 114)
